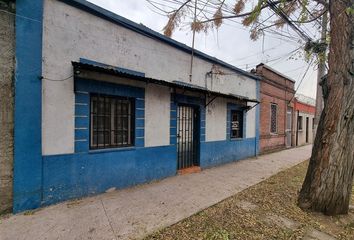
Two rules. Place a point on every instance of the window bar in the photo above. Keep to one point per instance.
(184, 136)
(97, 119)
(187, 132)
(178, 137)
(121, 140)
(187, 137)
(115, 123)
(192, 132)
(190, 137)
(110, 100)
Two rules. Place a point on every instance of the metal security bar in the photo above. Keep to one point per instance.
(236, 124)
(186, 137)
(273, 118)
(111, 121)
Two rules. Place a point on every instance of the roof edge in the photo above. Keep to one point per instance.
(141, 29)
(276, 72)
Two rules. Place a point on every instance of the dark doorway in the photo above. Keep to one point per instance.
(187, 136)
(307, 130)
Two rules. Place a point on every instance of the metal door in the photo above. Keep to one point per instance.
(289, 122)
(187, 136)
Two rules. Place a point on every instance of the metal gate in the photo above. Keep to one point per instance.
(187, 136)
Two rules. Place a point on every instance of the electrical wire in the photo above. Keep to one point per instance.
(303, 77)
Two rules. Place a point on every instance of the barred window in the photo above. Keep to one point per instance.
(273, 118)
(236, 124)
(112, 121)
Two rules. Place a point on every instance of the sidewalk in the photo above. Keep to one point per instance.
(135, 212)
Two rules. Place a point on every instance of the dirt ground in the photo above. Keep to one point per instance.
(267, 210)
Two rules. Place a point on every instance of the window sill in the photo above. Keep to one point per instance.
(299, 130)
(236, 139)
(107, 150)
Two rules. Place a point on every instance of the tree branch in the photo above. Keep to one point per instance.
(323, 3)
(243, 14)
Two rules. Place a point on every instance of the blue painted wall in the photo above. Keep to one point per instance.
(76, 175)
(27, 185)
(88, 172)
(221, 152)
(83, 88)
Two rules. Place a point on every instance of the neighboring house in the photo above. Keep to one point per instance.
(277, 129)
(103, 102)
(7, 65)
(305, 115)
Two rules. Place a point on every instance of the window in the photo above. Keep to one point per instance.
(236, 124)
(299, 122)
(273, 118)
(112, 121)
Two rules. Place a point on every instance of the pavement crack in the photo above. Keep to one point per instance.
(109, 221)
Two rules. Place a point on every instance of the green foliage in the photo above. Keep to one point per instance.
(304, 15)
(219, 235)
(254, 14)
(350, 10)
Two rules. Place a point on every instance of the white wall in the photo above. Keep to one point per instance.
(70, 34)
(157, 115)
(251, 122)
(302, 133)
(215, 117)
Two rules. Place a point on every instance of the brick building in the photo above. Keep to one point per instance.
(277, 128)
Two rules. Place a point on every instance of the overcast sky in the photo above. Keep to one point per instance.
(230, 43)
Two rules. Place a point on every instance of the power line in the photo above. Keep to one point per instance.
(303, 77)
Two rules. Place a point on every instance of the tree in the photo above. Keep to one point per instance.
(328, 183)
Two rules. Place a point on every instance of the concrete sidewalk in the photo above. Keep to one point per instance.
(135, 212)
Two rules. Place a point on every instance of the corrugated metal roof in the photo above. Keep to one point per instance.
(100, 67)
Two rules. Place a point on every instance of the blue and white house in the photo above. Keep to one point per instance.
(102, 102)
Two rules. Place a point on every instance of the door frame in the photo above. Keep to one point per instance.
(196, 134)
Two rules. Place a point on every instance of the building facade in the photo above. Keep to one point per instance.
(112, 104)
(7, 65)
(277, 128)
(305, 120)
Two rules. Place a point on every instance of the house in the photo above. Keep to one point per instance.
(305, 116)
(7, 65)
(277, 129)
(102, 102)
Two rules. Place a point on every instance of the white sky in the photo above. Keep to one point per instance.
(230, 43)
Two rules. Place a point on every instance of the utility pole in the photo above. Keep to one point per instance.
(192, 56)
(321, 72)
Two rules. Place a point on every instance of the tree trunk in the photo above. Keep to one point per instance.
(328, 184)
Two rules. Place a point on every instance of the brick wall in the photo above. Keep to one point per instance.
(278, 90)
(7, 61)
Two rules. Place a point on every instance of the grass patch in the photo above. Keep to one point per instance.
(278, 196)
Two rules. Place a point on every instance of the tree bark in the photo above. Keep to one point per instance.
(328, 183)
